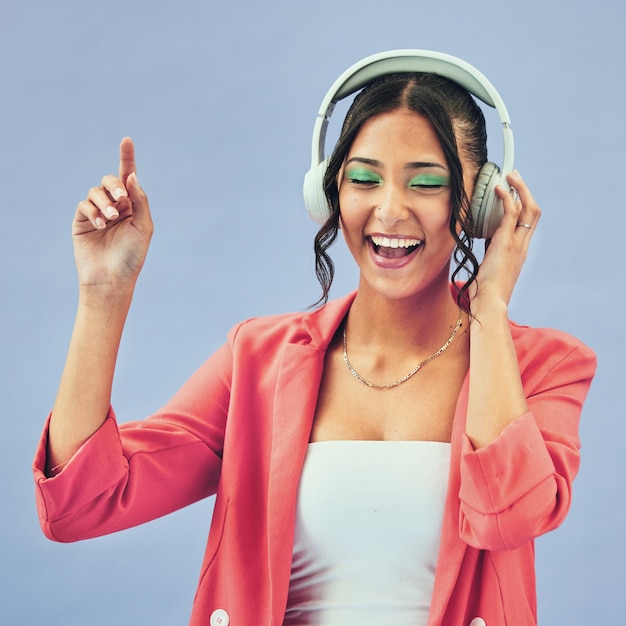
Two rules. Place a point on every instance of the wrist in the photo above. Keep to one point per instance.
(103, 311)
(105, 295)
(489, 309)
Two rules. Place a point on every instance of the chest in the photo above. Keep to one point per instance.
(367, 532)
(421, 409)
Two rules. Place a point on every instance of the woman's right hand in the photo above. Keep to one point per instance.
(111, 232)
(112, 228)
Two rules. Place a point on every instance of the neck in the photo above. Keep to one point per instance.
(406, 325)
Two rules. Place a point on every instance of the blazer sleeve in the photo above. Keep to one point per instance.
(520, 486)
(128, 474)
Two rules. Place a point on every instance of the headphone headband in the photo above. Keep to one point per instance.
(398, 61)
(402, 61)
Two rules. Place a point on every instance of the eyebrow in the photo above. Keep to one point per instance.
(414, 165)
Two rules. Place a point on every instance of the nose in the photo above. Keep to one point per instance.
(393, 207)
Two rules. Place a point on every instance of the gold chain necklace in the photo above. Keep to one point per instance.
(416, 369)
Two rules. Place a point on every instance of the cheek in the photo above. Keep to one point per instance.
(348, 225)
(352, 210)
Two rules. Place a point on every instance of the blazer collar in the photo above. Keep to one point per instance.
(320, 325)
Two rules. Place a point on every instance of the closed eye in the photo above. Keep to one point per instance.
(363, 177)
(429, 182)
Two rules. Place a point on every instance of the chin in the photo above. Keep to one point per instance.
(407, 288)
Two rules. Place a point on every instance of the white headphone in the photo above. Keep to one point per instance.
(485, 205)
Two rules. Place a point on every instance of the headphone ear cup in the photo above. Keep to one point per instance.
(314, 196)
(485, 207)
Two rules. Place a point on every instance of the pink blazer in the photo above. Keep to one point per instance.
(240, 428)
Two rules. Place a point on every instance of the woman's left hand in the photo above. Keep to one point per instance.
(493, 357)
(507, 250)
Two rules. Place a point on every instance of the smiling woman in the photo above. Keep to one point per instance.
(407, 480)
(452, 127)
(390, 218)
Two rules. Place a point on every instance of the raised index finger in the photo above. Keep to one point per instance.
(127, 158)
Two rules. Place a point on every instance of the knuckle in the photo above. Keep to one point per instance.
(108, 180)
(85, 207)
(94, 192)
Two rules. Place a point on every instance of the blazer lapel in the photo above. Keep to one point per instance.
(295, 400)
(451, 549)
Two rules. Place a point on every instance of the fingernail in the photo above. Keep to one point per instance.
(516, 175)
(111, 212)
(135, 179)
(100, 223)
(118, 193)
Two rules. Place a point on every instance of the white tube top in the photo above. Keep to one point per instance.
(367, 534)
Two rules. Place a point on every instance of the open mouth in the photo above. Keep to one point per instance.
(394, 248)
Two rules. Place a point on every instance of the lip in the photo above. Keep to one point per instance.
(392, 263)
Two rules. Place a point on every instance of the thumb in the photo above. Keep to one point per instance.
(139, 200)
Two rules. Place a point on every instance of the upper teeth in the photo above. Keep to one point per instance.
(386, 242)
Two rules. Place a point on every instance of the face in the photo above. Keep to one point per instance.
(394, 199)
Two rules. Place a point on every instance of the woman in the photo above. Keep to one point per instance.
(389, 456)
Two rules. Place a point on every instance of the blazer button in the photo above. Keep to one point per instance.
(219, 617)
(478, 621)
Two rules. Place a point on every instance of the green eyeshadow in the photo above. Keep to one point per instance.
(362, 175)
(429, 180)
